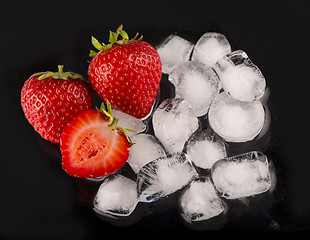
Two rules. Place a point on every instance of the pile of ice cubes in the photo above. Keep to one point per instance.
(213, 84)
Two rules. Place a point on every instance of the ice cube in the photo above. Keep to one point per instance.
(174, 122)
(236, 121)
(117, 195)
(173, 51)
(210, 48)
(242, 175)
(200, 201)
(240, 77)
(196, 83)
(129, 122)
(146, 148)
(204, 148)
(164, 176)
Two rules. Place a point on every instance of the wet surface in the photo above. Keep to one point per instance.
(39, 199)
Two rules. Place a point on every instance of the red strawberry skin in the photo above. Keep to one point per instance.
(128, 76)
(50, 104)
(91, 148)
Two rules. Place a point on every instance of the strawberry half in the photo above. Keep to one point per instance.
(51, 99)
(126, 73)
(92, 146)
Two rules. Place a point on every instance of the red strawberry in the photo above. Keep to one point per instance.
(92, 146)
(50, 101)
(126, 73)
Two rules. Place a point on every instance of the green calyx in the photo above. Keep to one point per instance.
(59, 75)
(112, 121)
(113, 39)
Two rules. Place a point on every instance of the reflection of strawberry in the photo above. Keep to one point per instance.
(92, 145)
(126, 72)
(50, 100)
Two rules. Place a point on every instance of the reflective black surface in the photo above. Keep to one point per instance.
(39, 200)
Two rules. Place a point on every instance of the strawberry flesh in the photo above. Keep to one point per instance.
(91, 148)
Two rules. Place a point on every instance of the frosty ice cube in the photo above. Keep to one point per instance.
(236, 121)
(164, 176)
(174, 51)
(196, 83)
(200, 201)
(240, 77)
(146, 148)
(242, 175)
(174, 122)
(210, 48)
(129, 122)
(117, 195)
(205, 148)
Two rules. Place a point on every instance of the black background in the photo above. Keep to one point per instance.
(38, 200)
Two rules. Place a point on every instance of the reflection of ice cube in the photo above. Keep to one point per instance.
(200, 201)
(242, 175)
(240, 77)
(129, 122)
(174, 51)
(117, 195)
(174, 122)
(196, 83)
(164, 176)
(210, 48)
(236, 121)
(204, 148)
(146, 148)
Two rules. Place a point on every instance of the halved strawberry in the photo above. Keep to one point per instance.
(92, 146)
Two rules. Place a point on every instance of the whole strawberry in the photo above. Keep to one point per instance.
(50, 100)
(126, 73)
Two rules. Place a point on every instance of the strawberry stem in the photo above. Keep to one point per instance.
(113, 40)
(59, 75)
(114, 123)
(60, 68)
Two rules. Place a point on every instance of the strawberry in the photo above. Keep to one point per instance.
(126, 73)
(92, 145)
(50, 101)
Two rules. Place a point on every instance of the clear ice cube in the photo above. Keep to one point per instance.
(174, 122)
(200, 201)
(146, 148)
(164, 176)
(196, 83)
(173, 51)
(117, 195)
(242, 175)
(240, 77)
(204, 148)
(236, 121)
(210, 48)
(129, 122)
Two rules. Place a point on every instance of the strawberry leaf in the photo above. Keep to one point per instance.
(96, 43)
(123, 34)
(112, 37)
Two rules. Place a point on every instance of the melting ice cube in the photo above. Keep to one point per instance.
(242, 175)
(129, 122)
(200, 201)
(236, 121)
(174, 122)
(146, 149)
(210, 48)
(240, 77)
(164, 176)
(196, 83)
(117, 195)
(174, 51)
(205, 148)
